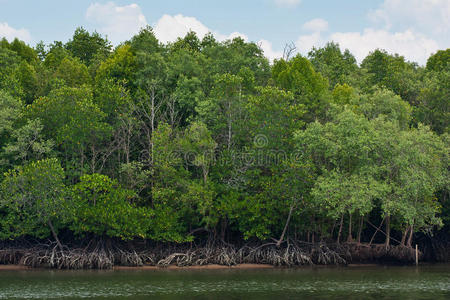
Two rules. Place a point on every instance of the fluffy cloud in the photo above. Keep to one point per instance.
(119, 23)
(306, 42)
(414, 46)
(316, 25)
(231, 36)
(409, 42)
(287, 2)
(430, 16)
(269, 52)
(169, 28)
(314, 39)
(10, 33)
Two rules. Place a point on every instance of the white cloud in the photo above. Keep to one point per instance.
(431, 16)
(414, 46)
(306, 42)
(169, 28)
(10, 33)
(231, 36)
(316, 25)
(269, 52)
(410, 43)
(288, 2)
(122, 22)
(119, 23)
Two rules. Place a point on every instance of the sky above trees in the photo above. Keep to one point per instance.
(412, 28)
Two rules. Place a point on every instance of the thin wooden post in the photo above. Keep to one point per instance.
(417, 257)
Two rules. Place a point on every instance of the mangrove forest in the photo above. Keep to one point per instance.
(202, 151)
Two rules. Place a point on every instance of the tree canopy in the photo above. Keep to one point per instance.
(172, 142)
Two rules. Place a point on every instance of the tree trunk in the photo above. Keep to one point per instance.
(388, 231)
(350, 237)
(82, 160)
(229, 125)
(376, 231)
(404, 234)
(205, 174)
(411, 232)
(152, 122)
(286, 225)
(361, 222)
(332, 228)
(223, 229)
(340, 229)
(93, 162)
(55, 236)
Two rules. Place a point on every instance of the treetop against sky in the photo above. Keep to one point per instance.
(412, 28)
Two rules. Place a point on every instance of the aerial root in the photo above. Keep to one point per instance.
(100, 256)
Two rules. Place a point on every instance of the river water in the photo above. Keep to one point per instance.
(426, 282)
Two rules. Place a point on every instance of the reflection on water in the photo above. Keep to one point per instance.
(430, 282)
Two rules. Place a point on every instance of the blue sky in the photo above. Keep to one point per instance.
(413, 28)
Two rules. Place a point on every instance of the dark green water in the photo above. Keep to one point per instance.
(428, 282)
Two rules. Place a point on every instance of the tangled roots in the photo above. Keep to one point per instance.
(105, 257)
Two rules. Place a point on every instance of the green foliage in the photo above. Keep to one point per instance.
(359, 160)
(275, 114)
(9, 62)
(27, 144)
(309, 87)
(24, 51)
(200, 147)
(420, 173)
(101, 207)
(10, 111)
(145, 41)
(433, 105)
(223, 112)
(439, 61)
(73, 72)
(120, 65)
(202, 138)
(385, 102)
(337, 66)
(169, 180)
(394, 73)
(76, 124)
(338, 193)
(32, 199)
(85, 45)
(63, 114)
(26, 75)
(55, 55)
(343, 94)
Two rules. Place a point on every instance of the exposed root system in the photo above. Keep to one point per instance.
(104, 256)
(382, 253)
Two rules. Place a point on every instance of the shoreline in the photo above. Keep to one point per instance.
(204, 267)
(211, 258)
(245, 266)
(148, 267)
